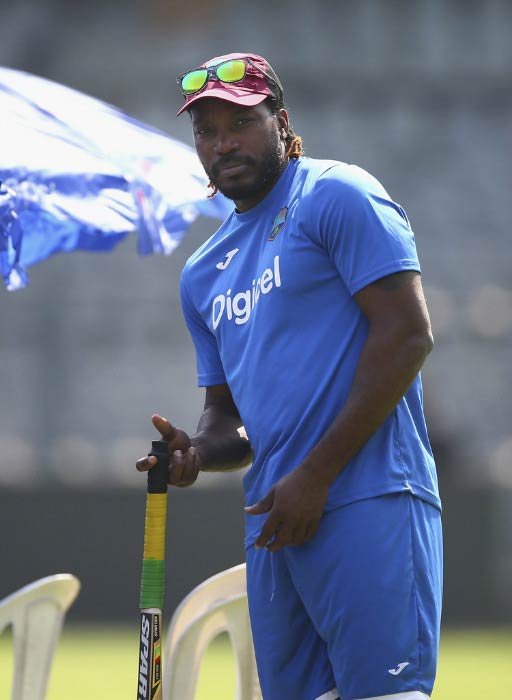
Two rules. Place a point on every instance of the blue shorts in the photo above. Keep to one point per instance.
(355, 612)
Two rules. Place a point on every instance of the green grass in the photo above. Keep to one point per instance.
(101, 663)
(475, 664)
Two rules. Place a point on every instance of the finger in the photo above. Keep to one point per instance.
(283, 538)
(177, 438)
(190, 468)
(268, 531)
(298, 536)
(144, 464)
(310, 531)
(176, 468)
(262, 506)
(166, 430)
(185, 468)
(304, 534)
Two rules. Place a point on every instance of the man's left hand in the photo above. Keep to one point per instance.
(295, 505)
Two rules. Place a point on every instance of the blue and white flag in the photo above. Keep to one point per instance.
(78, 174)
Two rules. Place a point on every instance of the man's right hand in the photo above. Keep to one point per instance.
(184, 462)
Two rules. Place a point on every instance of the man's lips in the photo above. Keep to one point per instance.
(230, 167)
(234, 169)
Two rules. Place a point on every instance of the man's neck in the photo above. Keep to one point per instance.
(244, 205)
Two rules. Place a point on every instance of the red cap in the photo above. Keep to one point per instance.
(251, 90)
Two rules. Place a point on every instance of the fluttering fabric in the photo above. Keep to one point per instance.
(78, 174)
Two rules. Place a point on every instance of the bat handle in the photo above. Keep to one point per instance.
(152, 580)
(159, 474)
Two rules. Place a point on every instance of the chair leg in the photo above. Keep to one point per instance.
(36, 613)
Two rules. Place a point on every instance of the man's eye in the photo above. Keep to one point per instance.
(204, 131)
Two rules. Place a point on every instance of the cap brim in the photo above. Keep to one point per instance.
(246, 99)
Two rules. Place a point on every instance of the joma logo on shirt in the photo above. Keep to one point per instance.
(238, 307)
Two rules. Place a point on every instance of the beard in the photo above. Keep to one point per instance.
(266, 171)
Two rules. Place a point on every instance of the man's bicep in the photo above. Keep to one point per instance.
(208, 362)
(396, 299)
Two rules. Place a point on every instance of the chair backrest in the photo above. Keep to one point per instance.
(217, 605)
(36, 613)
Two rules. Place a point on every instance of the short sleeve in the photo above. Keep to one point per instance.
(366, 234)
(208, 362)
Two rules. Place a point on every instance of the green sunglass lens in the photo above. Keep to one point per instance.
(194, 81)
(231, 71)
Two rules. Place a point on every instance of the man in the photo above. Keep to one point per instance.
(310, 326)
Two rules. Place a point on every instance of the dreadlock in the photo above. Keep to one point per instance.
(294, 147)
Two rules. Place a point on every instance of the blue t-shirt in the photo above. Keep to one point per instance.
(268, 300)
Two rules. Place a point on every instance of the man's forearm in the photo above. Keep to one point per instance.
(387, 366)
(221, 442)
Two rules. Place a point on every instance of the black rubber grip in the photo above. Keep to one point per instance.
(159, 474)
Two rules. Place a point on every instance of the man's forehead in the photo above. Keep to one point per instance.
(211, 105)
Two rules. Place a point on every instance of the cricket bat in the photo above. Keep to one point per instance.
(152, 580)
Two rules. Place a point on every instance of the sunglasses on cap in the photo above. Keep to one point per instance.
(231, 71)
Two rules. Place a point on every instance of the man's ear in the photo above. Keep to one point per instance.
(283, 121)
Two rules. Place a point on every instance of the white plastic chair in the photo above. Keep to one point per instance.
(36, 614)
(217, 605)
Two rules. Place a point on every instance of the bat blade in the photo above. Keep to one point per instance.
(150, 656)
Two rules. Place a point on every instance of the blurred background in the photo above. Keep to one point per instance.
(419, 94)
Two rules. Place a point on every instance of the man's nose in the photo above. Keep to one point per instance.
(226, 142)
